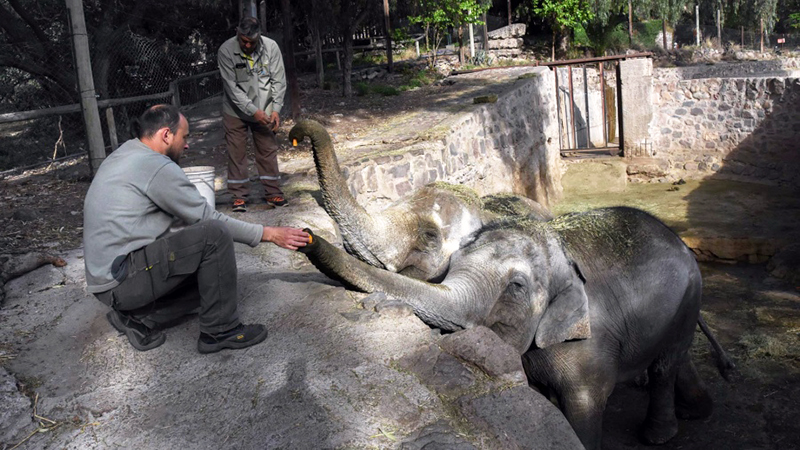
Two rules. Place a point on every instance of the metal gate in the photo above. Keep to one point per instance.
(590, 123)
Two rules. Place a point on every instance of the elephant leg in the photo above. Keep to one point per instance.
(583, 408)
(692, 400)
(661, 425)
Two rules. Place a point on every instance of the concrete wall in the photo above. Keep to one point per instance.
(507, 146)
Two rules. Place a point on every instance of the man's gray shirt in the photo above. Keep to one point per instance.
(136, 196)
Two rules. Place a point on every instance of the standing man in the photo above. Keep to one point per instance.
(149, 276)
(253, 86)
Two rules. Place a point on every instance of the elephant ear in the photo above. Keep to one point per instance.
(567, 315)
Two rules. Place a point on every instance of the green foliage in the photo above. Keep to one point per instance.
(438, 15)
(362, 88)
(795, 20)
(415, 78)
(563, 14)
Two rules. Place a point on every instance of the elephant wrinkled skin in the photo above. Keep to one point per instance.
(588, 300)
(415, 236)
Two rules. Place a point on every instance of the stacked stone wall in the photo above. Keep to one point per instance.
(739, 127)
(507, 146)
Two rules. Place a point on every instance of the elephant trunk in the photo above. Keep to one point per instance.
(446, 306)
(359, 229)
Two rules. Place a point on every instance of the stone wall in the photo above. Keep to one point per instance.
(510, 145)
(739, 127)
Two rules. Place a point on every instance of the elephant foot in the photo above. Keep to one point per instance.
(655, 432)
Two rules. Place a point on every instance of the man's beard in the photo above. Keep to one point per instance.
(174, 154)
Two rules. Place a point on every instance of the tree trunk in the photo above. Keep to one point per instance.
(288, 59)
(387, 33)
(316, 38)
(347, 64)
(664, 33)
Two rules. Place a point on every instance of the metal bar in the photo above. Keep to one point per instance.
(572, 107)
(566, 62)
(586, 106)
(558, 108)
(603, 99)
(620, 124)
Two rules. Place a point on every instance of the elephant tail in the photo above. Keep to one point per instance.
(725, 364)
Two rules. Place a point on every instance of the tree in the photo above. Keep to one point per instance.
(562, 15)
(289, 61)
(440, 15)
(669, 11)
(351, 14)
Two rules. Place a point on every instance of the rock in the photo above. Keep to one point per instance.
(438, 370)
(519, 417)
(439, 435)
(786, 264)
(484, 348)
(15, 410)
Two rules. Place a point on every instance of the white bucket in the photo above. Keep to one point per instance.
(203, 179)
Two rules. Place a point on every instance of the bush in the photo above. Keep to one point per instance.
(362, 88)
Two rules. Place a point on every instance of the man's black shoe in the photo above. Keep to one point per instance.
(140, 337)
(240, 337)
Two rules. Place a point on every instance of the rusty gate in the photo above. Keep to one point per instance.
(592, 123)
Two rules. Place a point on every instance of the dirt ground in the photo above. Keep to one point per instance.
(756, 318)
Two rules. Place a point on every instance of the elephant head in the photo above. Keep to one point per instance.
(414, 237)
(513, 277)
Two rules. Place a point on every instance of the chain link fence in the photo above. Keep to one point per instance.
(40, 123)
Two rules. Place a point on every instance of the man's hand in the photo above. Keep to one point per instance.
(261, 117)
(276, 121)
(286, 237)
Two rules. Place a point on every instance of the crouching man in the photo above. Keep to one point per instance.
(149, 276)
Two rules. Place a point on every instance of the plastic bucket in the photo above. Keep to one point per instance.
(203, 179)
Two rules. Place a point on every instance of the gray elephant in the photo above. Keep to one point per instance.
(588, 299)
(416, 235)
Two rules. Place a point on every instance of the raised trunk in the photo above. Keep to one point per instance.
(444, 306)
(359, 230)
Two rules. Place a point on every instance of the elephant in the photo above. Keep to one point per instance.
(415, 236)
(587, 299)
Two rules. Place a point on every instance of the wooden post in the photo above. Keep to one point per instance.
(761, 34)
(719, 27)
(176, 94)
(509, 12)
(112, 128)
(742, 37)
(416, 44)
(91, 116)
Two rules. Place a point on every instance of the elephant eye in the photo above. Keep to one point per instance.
(517, 284)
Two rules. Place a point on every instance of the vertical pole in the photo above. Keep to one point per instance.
(509, 12)
(697, 24)
(719, 27)
(416, 45)
(620, 123)
(471, 42)
(761, 33)
(112, 128)
(742, 36)
(586, 106)
(572, 108)
(485, 34)
(387, 30)
(262, 15)
(603, 99)
(558, 108)
(91, 116)
(176, 95)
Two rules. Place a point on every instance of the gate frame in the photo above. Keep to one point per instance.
(569, 63)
